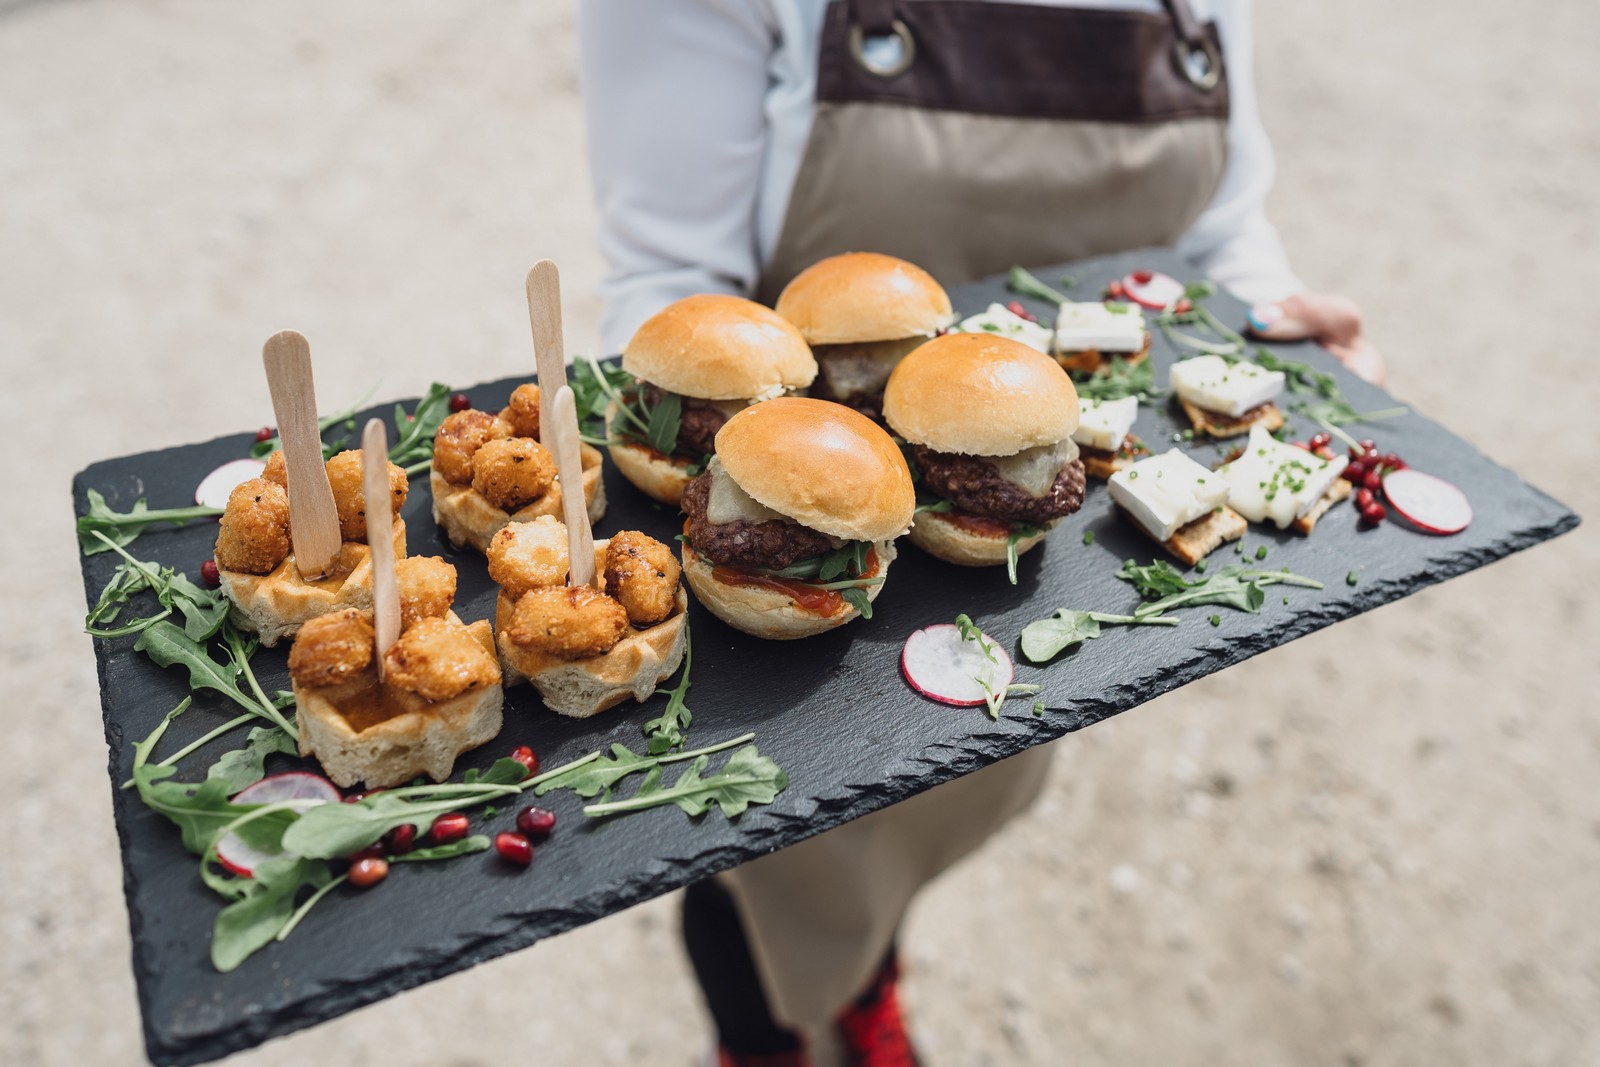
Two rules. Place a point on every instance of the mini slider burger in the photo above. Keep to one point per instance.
(1091, 333)
(254, 553)
(1180, 504)
(790, 529)
(492, 468)
(989, 424)
(1106, 443)
(1225, 399)
(696, 363)
(1290, 487)
(861, 312)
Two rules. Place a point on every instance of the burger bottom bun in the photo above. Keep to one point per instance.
(658, 477)
(425, 738)
(766, 612)
(938, 536)
(276, 605)
(469, 518)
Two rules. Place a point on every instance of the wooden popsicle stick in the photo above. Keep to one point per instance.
(549, 350)
(313, 519)
(380, 537)
(561, 435)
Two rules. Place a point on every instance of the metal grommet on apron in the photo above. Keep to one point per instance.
(998, 133)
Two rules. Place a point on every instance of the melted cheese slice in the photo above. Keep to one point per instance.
(1094, 325)
(862, 369)
(1272, 481)
(1213, 383)
(1104, 424)
(1034, 470)
(1168, 491)
(1003, 322)
(728, 502)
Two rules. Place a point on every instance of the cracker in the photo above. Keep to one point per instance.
(1098, 463)
(1339, 490)
(1089, 360)
(1213, 424)
(1200, 538)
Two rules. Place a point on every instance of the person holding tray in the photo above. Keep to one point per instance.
(735, 142)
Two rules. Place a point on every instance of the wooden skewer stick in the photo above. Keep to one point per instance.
(313, 519)
(549, 350)
(562, 437)
(380, 537)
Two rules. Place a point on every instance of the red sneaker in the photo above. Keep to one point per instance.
(797, 1058)
(873, 1030)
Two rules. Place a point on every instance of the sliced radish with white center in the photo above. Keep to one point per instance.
(942, 665)
(213, 490)
(1156, 292)
(1428, 503)
(298, 788)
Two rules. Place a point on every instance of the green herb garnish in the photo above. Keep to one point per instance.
(1021, 282)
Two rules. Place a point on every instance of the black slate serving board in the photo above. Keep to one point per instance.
(833, 711)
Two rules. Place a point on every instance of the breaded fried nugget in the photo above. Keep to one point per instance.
(439, 659)
(514, 472)
(427, 588)
(332, 649)
(459, 437)
(344, 473)
(529, 555)
(276, 472)
(254, 536)
(642, 574)
(570, 621)
(522, 411)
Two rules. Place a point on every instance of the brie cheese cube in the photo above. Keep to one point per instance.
(1274, 481)
(1000, 320)
(1213, 383)
(1166, 492)
(1104, 424)
(1106, 327)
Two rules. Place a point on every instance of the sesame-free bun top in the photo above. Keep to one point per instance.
(980, 395)
(822, 464)
(718, 347)
(864, 296)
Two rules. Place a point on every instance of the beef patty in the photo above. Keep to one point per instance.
(974, 485)
(743, 543)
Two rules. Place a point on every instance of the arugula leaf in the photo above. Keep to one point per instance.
(247, 765)
(665, 418)
(464, 847)
(1235, 586)
(1333, 409)
(594, 387)
(263, 449)
(929, 502)
(1154, 580)
(1019, 532)
(121, 528)
(858, 598)
(1044, 639)
(598, 775)
(329, 831)
(263, 909)
(1023, 283)
(747, 778)
(168, 645)
(666, 731)
(413, 447)
(1118, 379)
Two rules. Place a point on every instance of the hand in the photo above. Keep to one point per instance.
(1332, 321)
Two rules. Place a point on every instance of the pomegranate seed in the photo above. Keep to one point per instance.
(1364, 498)
(1376, 513)
(1321, 440)
(266, 433)
(355, 798)
(460, 402)
(536, 822)
(371, 852)
(1392, 460)
(1373, 480)
(1357, 453)
(451, 826)
(1115, 290)
(1183, 306)
(1143, 276)
(1398, 464)
(1369, 445)
(1301, 445)
(1355, 472)
(525, 756)
(368, 871)
(401, 839)
(209, 573)
(1324, 452)
(513, 848)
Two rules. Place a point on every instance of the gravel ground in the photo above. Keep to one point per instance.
(1393, 864)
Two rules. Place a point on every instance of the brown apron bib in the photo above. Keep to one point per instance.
(966, 136)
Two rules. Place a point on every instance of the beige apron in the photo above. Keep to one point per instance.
(967, 136)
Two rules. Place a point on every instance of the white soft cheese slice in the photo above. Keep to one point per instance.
(728, 502)
(1213, 383)
(1104, 424)
(1106, 327)
(1000, 320)
(1272, 481)
(1035, 470)
(1166, 492)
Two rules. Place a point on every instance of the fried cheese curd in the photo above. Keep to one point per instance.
(522, 411)
(642, 574)
(513, 472)
(529, 555)
(427, 588)
(276, 470)
(349, 496)
(570, 621)
(459, 437)
(439, 659)
(254, 535)
(332, 649)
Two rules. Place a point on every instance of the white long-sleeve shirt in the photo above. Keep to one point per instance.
(699, 112)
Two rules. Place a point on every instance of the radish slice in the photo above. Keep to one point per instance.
(1161, 291)
(213, 490)
(942, 666)
(300, 788)
(1428, 503)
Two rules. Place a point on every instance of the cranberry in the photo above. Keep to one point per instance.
(513, 848)
(209, 573)
(266, 433)
(1183, 306)
(460, 402)
(525, 756)
(451, 826)
(1324, 452)
(1364, 498)
(1373, 480)
(1375, 514)
(536, 822)
(401, 839)
(368, 872)
(1143, 276)
(1115, 291)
